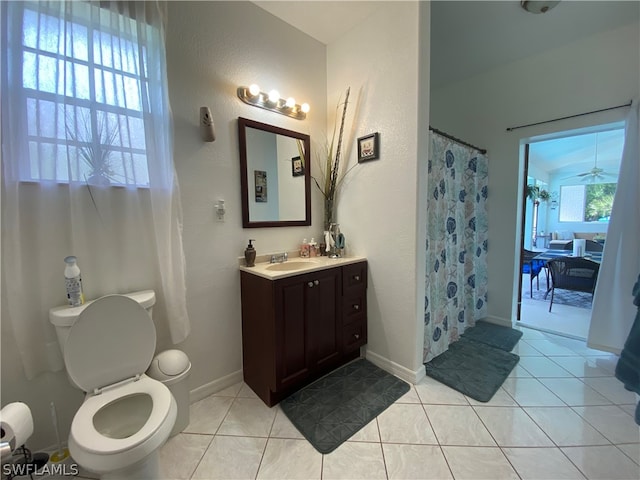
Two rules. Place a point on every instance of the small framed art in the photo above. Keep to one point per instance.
(297, 168)
(260, 177)
(368, 147)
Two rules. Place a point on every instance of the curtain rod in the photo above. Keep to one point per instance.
(510, 129)
(457, 140)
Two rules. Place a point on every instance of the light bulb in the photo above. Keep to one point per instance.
(254, 90)
(291, 102)
(274, 96)
(305, 107)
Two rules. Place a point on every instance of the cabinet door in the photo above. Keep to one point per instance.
(323, 316)
(292, 349)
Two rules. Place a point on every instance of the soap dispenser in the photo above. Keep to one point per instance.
(250, 254)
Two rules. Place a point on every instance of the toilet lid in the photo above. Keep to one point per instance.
(113, 339)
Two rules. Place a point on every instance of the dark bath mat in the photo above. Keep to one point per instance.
(332, 409)
(504, 338)
(472, 368)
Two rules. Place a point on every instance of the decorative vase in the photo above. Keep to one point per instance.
(328, 213)
(334, 233)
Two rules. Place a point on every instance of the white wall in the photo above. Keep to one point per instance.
(262, 155)
(212, 48)
(378, 208)
(290, 188)
(597, 72)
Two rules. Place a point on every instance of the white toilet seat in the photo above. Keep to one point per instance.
(101, 454)
(126, 416)
(83, 429)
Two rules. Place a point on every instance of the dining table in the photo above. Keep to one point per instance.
(551, 254)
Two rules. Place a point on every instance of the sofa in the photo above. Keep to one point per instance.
(560, 239)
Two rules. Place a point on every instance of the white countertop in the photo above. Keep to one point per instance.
(314, 264)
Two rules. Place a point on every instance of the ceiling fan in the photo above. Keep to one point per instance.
(596, 173)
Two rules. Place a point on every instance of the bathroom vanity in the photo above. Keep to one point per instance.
(300, 320)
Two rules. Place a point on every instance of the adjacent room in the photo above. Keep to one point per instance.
(570, 186)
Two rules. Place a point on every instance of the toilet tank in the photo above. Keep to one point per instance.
(65, 316)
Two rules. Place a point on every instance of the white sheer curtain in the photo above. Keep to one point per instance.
(613, 311)
(87, 153)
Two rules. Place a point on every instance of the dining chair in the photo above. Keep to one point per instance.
(573, 273)
(531, 267)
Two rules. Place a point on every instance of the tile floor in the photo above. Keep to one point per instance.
(561, 415)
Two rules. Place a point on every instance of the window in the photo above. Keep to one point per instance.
(84, 88)
(586, 203)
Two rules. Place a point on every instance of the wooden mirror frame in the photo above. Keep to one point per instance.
(243, 123)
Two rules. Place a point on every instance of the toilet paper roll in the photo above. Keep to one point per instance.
(578, 247)
(16, 423)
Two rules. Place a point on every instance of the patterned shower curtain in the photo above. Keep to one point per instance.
(456, 279)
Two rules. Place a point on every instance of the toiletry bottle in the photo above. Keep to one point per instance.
(313, 248)
(250, 254)
(73, 281)
(304, 249)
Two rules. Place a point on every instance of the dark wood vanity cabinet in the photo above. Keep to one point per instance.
(298, 328)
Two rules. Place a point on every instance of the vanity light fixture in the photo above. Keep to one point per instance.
(273, 102)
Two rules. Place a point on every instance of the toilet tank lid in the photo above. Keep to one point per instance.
(66, 315)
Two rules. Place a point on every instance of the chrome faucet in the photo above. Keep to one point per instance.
(279, 257)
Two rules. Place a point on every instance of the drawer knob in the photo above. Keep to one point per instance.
(316, 282)
(356, 278)
(310, 284)
(356, 336)
(356, 307)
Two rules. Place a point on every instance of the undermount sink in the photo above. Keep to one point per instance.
(288, 266)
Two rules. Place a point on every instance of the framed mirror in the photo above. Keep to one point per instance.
(274, 175)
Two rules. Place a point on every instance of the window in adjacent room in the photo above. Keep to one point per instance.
(586, 203)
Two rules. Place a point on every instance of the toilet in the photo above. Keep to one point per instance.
(126, 416)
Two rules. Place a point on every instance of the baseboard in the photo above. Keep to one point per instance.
(210, 388)
(553, 332)
(398, 370)
(604, 348)
(504, 322)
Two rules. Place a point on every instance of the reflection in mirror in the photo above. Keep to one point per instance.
(274, 175)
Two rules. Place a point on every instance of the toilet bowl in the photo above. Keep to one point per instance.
(126, 416)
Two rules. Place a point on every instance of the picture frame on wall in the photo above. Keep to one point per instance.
(297, 168)
(260, 179)
(369, 147)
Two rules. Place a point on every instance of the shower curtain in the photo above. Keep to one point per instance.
(456, 274)
(613, 310)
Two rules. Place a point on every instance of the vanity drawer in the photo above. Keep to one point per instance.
(354, 278)
(354, 307)
(354, 335)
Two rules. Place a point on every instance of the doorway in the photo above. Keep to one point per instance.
(566, 183)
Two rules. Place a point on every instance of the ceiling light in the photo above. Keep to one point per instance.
(538, 7)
